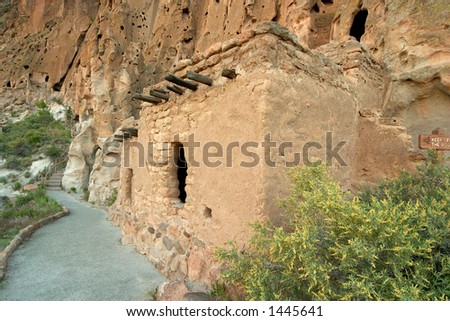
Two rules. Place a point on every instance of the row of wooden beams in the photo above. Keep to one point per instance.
(159, 94)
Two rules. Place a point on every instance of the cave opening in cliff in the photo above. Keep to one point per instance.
(182, 168)
(359, 24)
(315, 8)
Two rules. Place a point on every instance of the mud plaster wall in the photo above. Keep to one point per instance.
(282, 89)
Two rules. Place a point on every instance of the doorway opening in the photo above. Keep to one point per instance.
(359, 24)
(182, 171)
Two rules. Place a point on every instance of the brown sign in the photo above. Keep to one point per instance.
(436, 142)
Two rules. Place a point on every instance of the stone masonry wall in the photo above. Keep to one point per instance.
(282, 89)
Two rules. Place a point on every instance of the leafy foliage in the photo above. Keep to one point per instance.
(37, 133)
(7, 236)
(113, 197)
(25, 209)
(33, 204)
(392, 243)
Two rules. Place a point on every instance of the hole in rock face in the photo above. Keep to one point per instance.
(316, 8)
(207, 212)
(327, 2)
(57, 87)
(359, 24)
(47, 78)
(182, 171)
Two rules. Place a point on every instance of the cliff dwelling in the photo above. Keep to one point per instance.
(195, 110)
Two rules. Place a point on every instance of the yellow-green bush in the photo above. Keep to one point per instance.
(389, 244)
(37, 133)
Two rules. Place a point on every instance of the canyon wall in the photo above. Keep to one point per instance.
(371, 73)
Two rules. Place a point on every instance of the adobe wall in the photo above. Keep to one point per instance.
(282, 89)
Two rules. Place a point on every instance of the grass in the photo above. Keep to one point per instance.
(37, 134)
(85, 194)
(8, 236)
(151, 294)
(25, 209)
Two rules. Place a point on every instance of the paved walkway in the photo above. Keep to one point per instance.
(79, 257)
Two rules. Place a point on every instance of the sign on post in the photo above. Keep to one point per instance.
(436, 141)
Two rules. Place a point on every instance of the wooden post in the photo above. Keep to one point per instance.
(159, 94)
(133, 132)
(162, 90)
(118, 138)
(181, 82)
(148, 99)
(176, 89)
(229, 73)
(440, 152)
(199, 78)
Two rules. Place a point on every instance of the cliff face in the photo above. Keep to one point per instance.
(374, 72)
(95, 53)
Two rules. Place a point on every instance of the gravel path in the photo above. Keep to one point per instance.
(79, 257)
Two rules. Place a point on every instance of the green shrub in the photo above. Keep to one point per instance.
(53, 152)
(41, 104)
(27, 174)
(3, 180)
(86, 194)
(37, 133)
(32, 204)
(391, 244)
(12, 177)
(17, 163)
(69, 115)
(16, 186)
(8, 236)
(113, 197)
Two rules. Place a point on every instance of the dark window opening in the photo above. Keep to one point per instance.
(327, 1)
(57, 87)
(316, 8)
(359, 24)
(47, 78)
(8, 84)
(182, 168)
